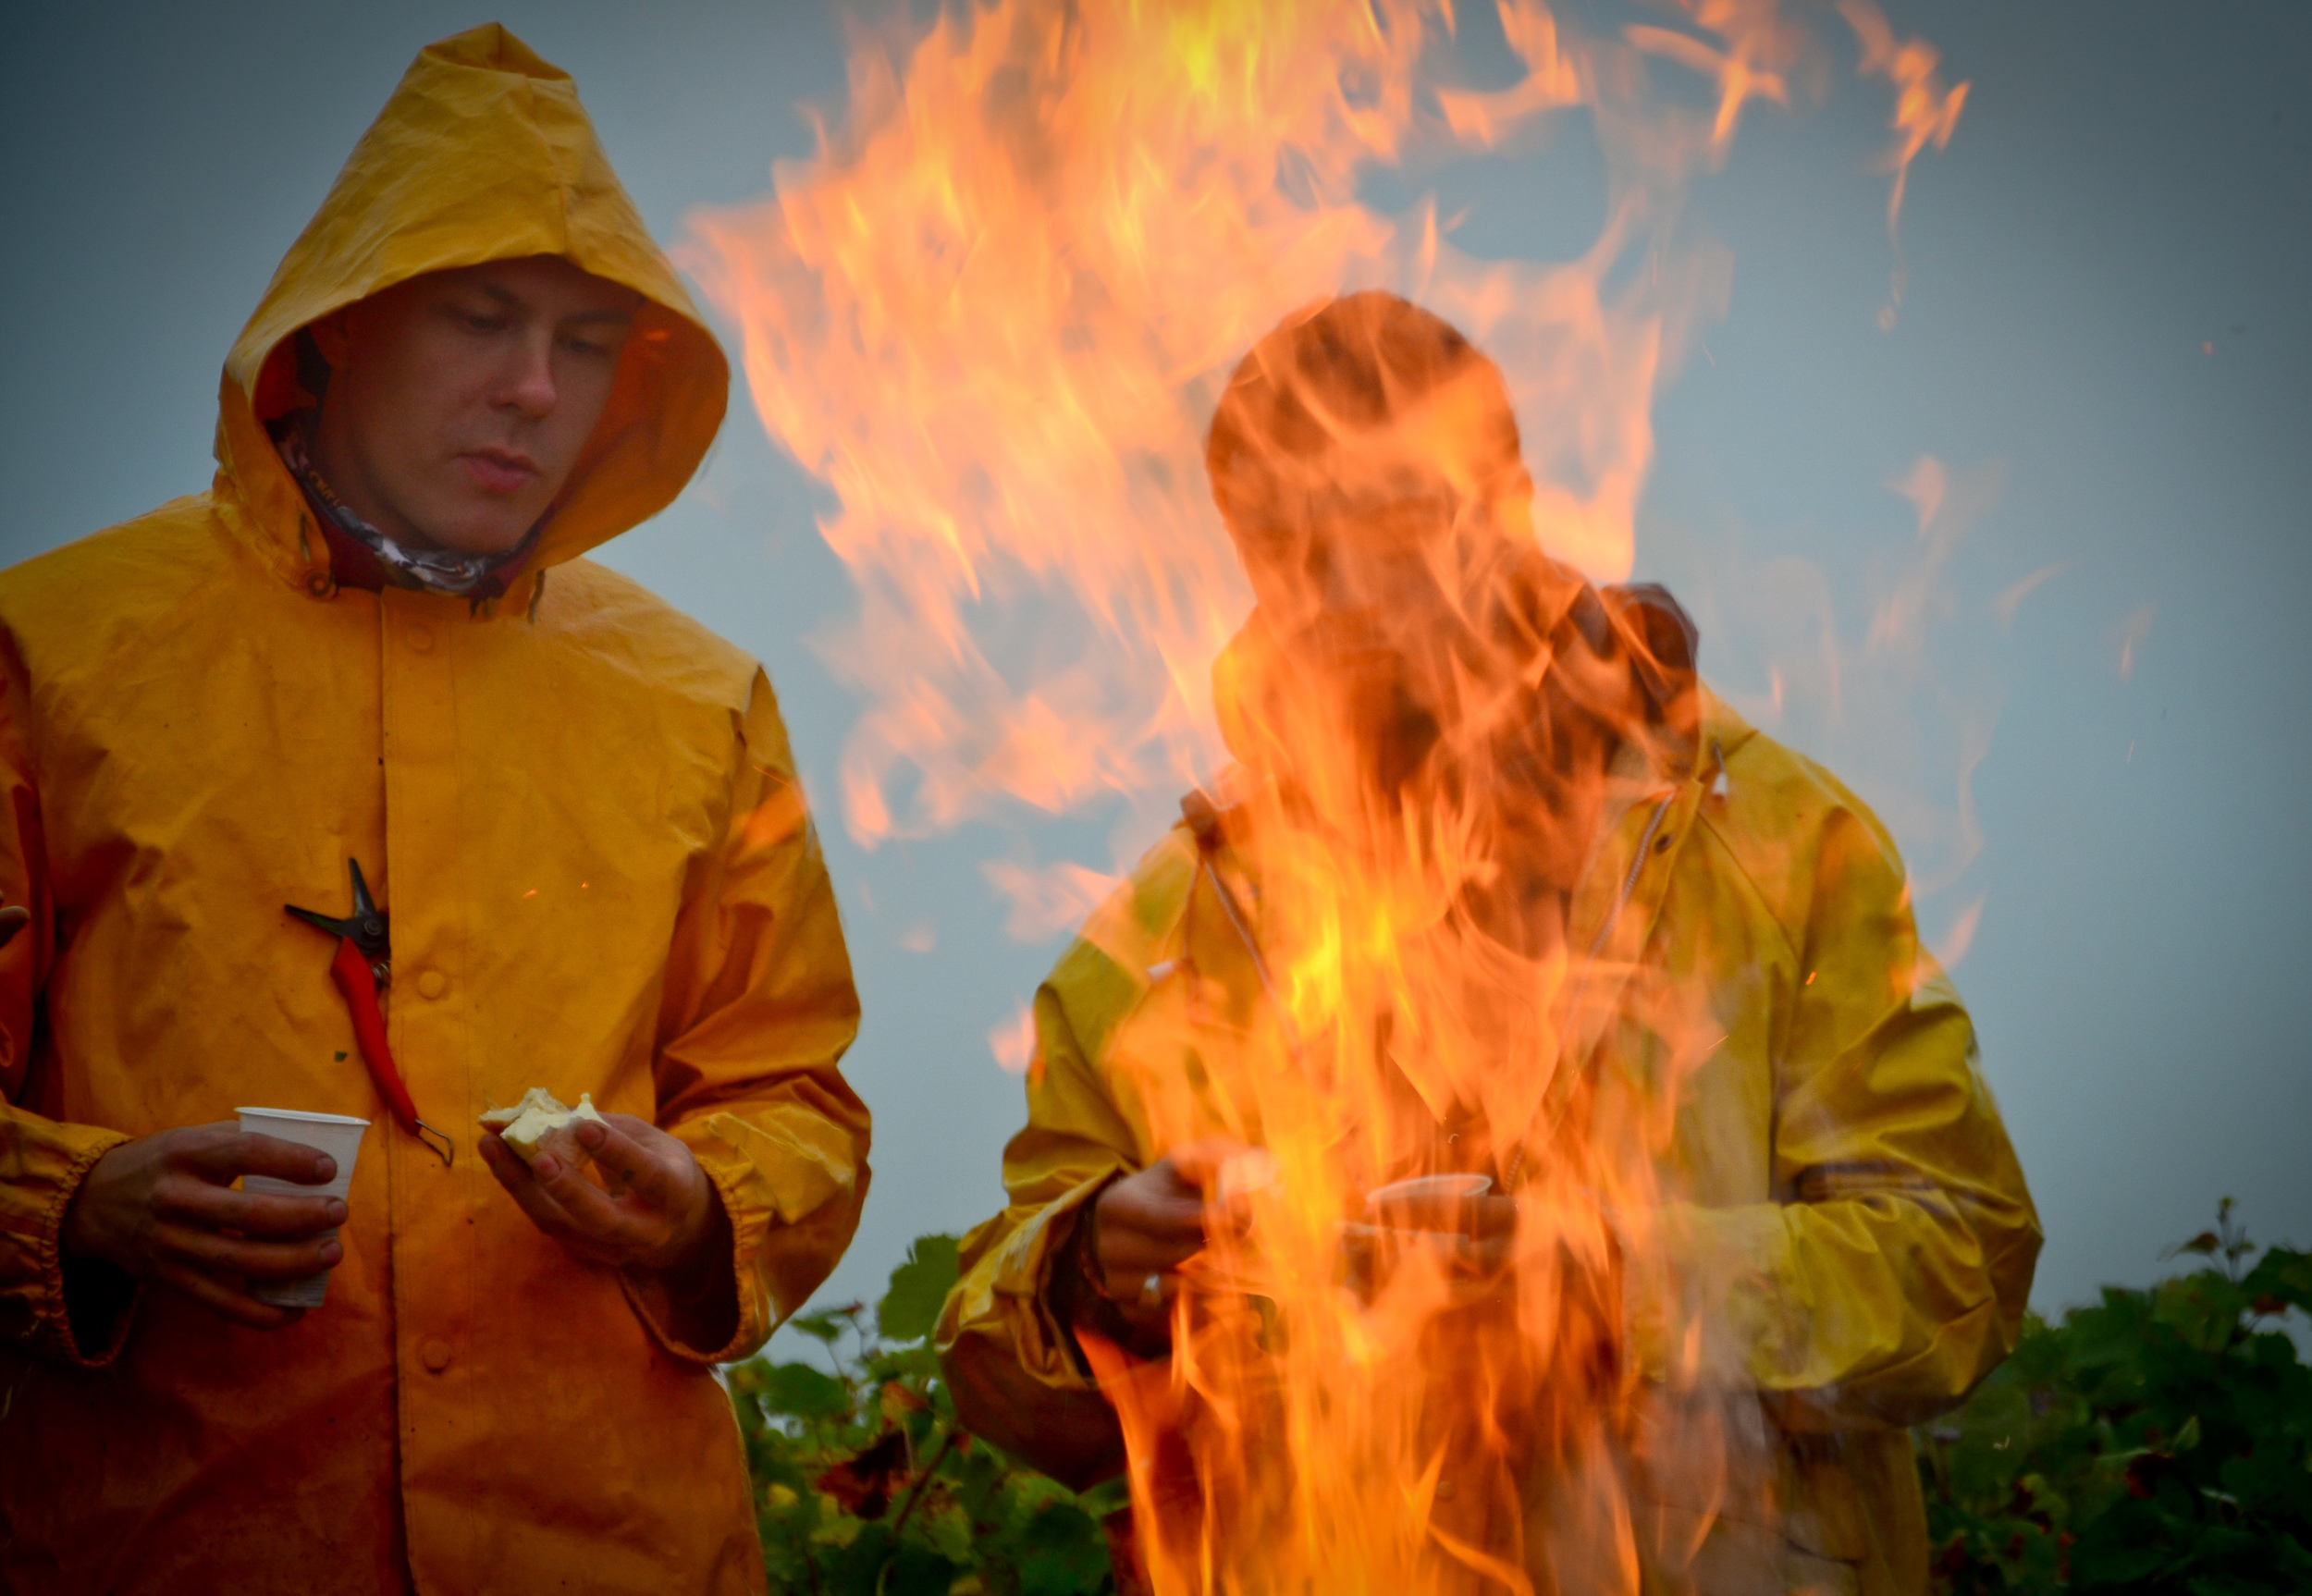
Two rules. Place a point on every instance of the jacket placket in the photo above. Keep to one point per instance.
(434, 1206)
(1614, 912)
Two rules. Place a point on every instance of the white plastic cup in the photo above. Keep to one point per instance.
(340, 1136)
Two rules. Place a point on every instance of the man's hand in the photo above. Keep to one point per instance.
(1148, 1224)
(161, 1207)
(1485, 1227)
(661, 1213)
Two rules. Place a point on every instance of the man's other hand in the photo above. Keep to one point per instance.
(659, 1213)
(1486, 1226)
(161, 1207)
(1473, 1239)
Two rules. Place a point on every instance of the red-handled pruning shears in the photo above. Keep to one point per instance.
(364, 964)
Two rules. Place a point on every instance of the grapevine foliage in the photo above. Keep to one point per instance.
(866, 1486)
(2159, 1441)
(2157, 1444)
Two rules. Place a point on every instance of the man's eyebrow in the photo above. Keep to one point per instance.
(510, 300)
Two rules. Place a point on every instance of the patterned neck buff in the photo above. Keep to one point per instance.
(473, 576)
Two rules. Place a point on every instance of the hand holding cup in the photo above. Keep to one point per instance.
(163, 1208)
(1456, 1218)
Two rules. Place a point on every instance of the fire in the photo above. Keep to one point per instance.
(1925, 110)
(996, 315)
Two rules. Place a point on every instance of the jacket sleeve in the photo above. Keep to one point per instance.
(43, 1161)
(757, 1010)
(1891, 1274)
(1009, 1363)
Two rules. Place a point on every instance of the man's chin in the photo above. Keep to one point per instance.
(470, 534)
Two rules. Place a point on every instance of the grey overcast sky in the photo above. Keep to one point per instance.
(2107, 339)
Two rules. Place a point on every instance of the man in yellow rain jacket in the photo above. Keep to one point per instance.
(1849, 1236)
(375, 639)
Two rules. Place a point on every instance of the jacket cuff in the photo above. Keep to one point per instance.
(741, 1305)
(1016, 1287)
(1704, 1294)
(38, 1312)
(1072, 1295)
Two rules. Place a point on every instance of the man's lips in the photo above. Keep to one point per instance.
(500, 470)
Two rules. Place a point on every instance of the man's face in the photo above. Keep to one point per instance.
(1406, 615)
(1378, 552)
(1358, 544)
(1385, 529)
(1355, 570)
(460, 401)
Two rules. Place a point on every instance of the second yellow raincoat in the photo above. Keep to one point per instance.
(579, 809)
(1854, 1237)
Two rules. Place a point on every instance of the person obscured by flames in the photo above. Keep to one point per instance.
(375, 638)
(1509, 1136)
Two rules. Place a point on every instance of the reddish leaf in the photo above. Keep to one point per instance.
(866, 1485)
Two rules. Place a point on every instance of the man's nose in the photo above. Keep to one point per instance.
(527, 384)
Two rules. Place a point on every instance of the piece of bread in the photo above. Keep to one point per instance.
(539, 1115)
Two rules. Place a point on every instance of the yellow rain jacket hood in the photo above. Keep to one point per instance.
(1853, 1241)
(581, 813)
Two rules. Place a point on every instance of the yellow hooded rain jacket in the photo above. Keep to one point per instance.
(1853, 1234)
(582, 814)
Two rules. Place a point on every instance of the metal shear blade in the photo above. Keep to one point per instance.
(366, 929)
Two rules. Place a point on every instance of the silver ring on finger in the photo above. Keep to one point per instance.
(1152, 1291)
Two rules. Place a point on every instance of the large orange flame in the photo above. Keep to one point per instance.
(996, 315)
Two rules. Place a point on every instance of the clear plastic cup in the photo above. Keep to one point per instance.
(340, 1136)
(1426, 1194)
(1429, 1189)
(1428, 1214)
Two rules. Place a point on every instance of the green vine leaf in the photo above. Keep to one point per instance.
(799, 1390)
(919, 1289)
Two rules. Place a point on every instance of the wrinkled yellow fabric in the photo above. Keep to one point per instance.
(581, 812)
(1852, 1232)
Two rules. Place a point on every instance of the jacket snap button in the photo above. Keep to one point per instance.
(436, 1354)
(421, 640)
(433, 983)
